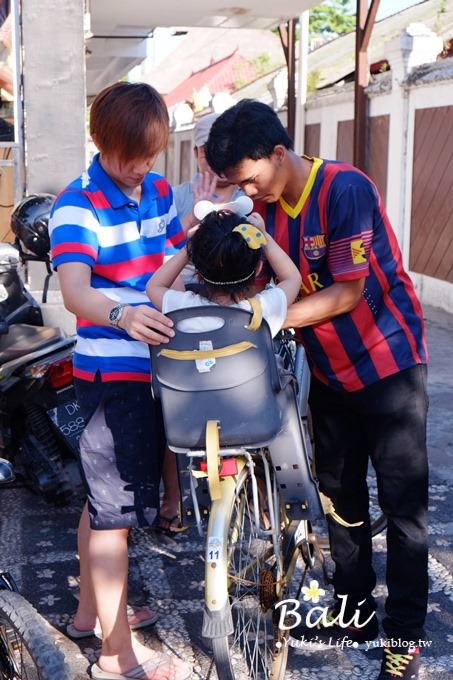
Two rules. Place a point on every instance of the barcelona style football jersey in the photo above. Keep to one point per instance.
(339, 231)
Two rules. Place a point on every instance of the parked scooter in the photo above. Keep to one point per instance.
(39, 419)
(27, 646)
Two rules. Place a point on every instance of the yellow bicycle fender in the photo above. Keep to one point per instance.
(213, 459)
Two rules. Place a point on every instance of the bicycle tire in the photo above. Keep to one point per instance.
(256, 581)
(27, 650)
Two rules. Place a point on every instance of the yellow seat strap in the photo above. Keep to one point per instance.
(329, 509)
(257, 317)
(213, 459)
(195, 354)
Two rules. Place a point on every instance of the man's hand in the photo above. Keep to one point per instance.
(146, 324)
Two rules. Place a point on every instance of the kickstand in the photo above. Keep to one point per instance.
(319, 555)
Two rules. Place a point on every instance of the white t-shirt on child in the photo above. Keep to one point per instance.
(272, 300)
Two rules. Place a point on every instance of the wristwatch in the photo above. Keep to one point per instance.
(115, 314)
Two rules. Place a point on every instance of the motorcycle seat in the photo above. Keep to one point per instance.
(23, 339)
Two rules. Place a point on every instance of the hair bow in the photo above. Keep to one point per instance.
(243, 205)
(251, 235)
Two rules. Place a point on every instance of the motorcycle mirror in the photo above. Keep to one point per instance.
(6, 471)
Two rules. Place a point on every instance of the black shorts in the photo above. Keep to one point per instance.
(121, 452)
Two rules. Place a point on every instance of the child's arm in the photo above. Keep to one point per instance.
(164, 277)
(288, 275)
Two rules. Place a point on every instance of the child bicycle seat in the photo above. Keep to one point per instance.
(229, 375)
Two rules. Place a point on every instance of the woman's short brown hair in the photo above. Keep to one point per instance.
(129, 120)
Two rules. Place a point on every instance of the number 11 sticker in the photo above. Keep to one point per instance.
(214, 549)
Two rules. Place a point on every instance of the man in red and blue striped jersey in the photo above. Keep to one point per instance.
(361, 323)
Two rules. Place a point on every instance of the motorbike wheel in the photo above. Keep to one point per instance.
(41, 457)
(27, 650)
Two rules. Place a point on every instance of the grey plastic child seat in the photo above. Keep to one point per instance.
(238, 389)
(241, 389)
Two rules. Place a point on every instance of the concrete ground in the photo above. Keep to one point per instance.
(38, 545)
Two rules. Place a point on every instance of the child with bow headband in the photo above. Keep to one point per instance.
(226, 250)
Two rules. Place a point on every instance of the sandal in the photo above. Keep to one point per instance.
(166, 525)
(182, 670)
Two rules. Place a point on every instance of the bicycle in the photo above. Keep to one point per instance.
(27, 649)
(224, 405)
(234, 410)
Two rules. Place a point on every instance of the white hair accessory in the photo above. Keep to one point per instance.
(243, 205)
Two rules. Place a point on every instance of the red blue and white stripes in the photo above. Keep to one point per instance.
(342, 233)
(123, 242)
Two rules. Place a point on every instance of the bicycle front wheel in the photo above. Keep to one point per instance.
(256, 580)
(27, 650)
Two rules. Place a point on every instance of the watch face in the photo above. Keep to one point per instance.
(115, 314)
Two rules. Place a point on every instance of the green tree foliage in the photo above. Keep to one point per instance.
(331, 19)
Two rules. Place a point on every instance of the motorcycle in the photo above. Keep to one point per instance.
(27, 646)
(39, 420)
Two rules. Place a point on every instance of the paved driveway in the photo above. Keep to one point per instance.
(38, 545)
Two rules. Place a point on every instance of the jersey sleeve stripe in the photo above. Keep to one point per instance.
(81, 248)
(78, 216)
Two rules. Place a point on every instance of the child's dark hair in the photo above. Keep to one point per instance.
(221, 256)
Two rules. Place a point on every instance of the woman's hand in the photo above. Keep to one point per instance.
(204, 187)
(146, 324)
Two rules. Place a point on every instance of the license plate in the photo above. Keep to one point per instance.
(67, 419)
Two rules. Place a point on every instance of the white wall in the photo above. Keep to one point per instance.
(54, 92)
(391, 96)
(401, 104)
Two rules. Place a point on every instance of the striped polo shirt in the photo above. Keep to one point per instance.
(123, 242)
(339, 231)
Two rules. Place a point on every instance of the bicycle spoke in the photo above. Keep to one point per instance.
(250, 556)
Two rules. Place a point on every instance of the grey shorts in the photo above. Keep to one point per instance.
(121, 452)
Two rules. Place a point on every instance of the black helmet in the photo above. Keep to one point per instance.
(29, 222)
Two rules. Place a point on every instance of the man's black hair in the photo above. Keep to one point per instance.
(250, 129)
(222, 257)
